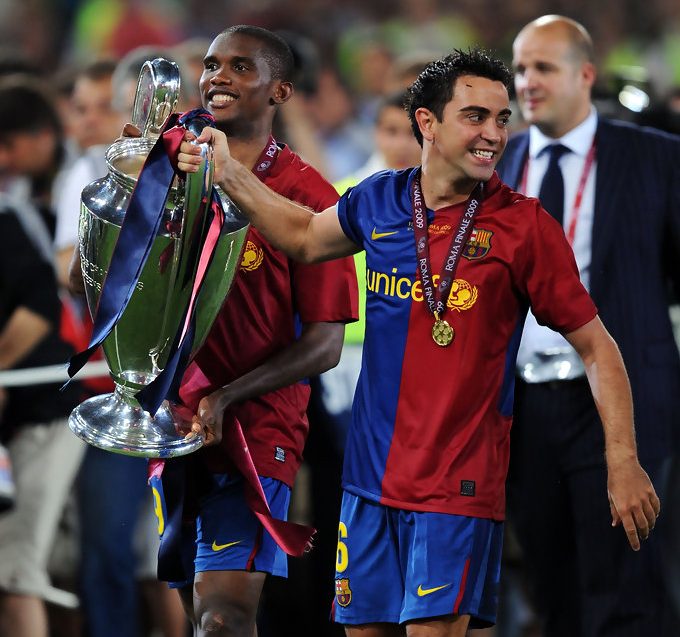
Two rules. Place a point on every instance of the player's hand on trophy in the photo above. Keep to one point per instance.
(189, 157)
(209, 415)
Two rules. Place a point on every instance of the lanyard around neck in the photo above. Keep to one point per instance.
(578, 200)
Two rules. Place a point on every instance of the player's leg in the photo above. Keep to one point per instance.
(376, 630)
(234, 554)
(225, 602)
(186, 594)
(451, 572)
(450, 626)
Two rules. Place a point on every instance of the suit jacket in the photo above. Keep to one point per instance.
(635, 262)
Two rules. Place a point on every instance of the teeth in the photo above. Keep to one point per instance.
(222, 99)
(483, 154)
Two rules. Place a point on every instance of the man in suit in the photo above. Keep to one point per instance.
(616, 189)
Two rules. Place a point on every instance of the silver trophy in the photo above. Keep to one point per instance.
(138, 347)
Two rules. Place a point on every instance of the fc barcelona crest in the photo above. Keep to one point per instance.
(343, 593)
(478, 244)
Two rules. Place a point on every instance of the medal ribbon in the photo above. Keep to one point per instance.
(578, 199)
(435, 296)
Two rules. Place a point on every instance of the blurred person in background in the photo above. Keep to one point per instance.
(94, 121)
(189, 56)
(292, 124)
(395, 147)
(93, 124)
(45, 455)
(344, 140)
(615, 188)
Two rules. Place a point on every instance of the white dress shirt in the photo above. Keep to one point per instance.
(545, 355)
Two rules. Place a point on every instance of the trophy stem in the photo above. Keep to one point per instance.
(116, 422)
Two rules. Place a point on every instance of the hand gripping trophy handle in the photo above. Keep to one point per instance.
(140, 345)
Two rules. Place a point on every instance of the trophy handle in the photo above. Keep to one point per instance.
(156, 96)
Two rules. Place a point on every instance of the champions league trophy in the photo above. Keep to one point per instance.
(138, 347)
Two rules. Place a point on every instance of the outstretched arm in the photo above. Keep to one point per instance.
(632, 498)
(301, 233)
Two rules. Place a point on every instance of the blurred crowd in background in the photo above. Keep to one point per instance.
(350, 48)
(82, 58)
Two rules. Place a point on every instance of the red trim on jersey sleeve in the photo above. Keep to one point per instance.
(558, 298)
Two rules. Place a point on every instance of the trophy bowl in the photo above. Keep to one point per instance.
(139, 346)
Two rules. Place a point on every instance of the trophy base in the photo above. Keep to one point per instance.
(116, 422)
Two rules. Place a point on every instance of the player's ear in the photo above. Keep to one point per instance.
(281, 93)
(426, 121)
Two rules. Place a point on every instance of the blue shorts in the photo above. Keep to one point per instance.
(395, 565)
(228, 535)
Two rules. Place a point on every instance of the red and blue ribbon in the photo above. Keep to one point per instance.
(137, 234)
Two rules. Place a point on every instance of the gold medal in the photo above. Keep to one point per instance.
(442, 332)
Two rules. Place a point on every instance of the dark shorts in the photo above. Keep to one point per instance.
(395, 565)
(228, 535)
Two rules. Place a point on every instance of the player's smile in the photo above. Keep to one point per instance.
(218, 99)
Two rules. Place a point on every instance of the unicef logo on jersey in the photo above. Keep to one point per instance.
(462, 295)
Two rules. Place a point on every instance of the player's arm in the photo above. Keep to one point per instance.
(632, 498)
(316, 351)
(302, 234)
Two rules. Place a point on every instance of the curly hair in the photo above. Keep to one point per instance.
(433, 88)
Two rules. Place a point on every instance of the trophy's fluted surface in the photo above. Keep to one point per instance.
(139, 346)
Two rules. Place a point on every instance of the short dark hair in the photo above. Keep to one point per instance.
(98, 70)
(433, 88)
(396, 99)
(25, 108)
(277, 53)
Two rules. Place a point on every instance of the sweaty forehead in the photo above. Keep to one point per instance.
(236, 45)
(472, 90)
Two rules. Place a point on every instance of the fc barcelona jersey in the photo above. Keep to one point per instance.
(430, 424)
(271, 298)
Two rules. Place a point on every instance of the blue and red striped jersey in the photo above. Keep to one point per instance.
(430, 424)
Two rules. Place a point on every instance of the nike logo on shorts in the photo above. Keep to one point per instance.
(220, 547)
(426, 591)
